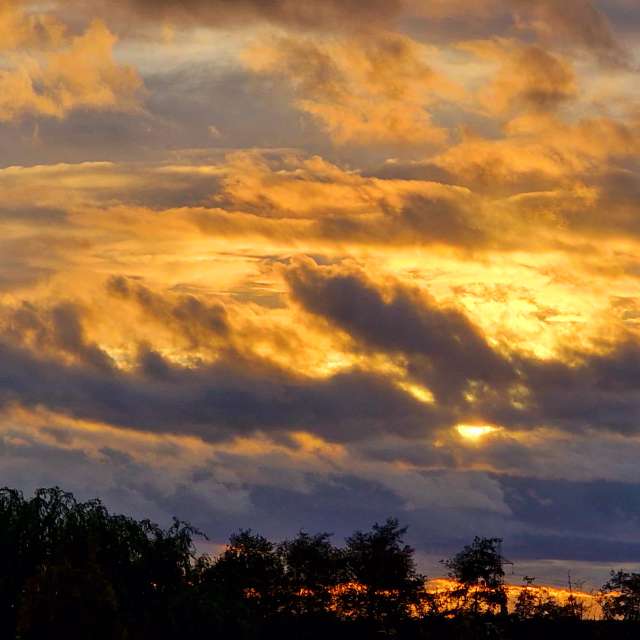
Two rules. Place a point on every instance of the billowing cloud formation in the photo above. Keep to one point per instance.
(51, 73)
(372, 90)
(529, 78)
(188, 316)
(444, 348)
(260, 260)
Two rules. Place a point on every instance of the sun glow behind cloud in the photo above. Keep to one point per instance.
(475, 433)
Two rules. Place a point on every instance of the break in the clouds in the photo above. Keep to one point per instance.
(264, 264)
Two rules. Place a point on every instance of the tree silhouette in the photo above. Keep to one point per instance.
(71, 603)
(537, 603)
(71, 569)
(60, 556)
(384, 585)
(620, 596)
(479, 573)
(249, 575)
(313, 569)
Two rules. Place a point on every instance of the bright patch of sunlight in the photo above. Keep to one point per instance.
(475, 432)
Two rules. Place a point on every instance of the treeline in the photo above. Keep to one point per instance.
(73, 570)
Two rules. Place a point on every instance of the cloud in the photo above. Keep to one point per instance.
(21, 29)
(448, 354)
(199, 323)
(58, 329)
(434, 215)
(330, 14)
(50, 73)
(363, 91)
(580, 393)
(322, 202)
(539, 153)
(578, 21)
(417, 214)
(214, 401)
(443, 347)
(581, 24)
(529, 77)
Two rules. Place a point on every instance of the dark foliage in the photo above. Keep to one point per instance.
(621, 596)
(383, 585)
(72, 570)
(479, 571)
(314, 568)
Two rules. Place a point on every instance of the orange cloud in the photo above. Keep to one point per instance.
(538, 149)
(49, 73)
(372, 90)
(312, 14)
(577, 21)
(529, 78)
(20, 29)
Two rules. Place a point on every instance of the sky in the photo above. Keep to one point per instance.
(283, 265)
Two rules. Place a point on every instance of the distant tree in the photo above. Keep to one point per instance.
(537, 603)
(383, 583)
(572, 609)
(527, 601)
(313, 568)
(478, 571)
(620, 596)
(249, 574)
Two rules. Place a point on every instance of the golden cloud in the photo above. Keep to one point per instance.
(371, 90)
(50, 73)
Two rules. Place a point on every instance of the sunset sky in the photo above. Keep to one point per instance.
(282, 263)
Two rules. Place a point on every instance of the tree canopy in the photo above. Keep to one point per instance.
(73, 570)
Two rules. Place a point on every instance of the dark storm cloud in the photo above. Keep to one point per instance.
(573, 548)
(482, 180)
(244, 109)
(349, 502)
(597, 391)
(420, 454)
(29, 464)
(15, 275)
(447, 352)
(622, 14)
(233, 396)
(575, 521)
(607, 508)
(443, 346)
